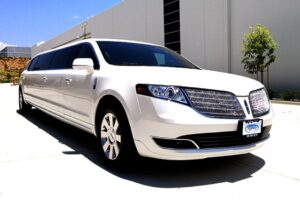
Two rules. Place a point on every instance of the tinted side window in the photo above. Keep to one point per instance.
(73, 55)
(44, 61)
(60, 59)
(32, 64)
(87, 51)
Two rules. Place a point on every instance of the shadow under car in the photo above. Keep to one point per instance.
(151, 172)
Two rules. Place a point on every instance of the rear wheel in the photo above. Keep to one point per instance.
(23, 106)
(115, 142)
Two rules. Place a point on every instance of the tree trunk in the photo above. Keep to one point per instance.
(268, 79)
(257, 76)
(262, 76)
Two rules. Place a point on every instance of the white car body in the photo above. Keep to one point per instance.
(73, 96)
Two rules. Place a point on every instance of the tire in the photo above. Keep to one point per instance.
(114, 138)
(23, 106)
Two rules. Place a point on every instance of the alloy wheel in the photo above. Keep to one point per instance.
(110, 136)
(20, 101)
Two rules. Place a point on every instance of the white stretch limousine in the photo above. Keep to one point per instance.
(146, 99)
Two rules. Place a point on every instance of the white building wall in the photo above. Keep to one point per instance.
(204, 33)
(131, 19)
(211, 32)
(58, 40)
(283, 20)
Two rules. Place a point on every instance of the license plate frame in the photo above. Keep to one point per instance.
(251, 128)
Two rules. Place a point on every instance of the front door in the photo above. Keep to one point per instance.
(77, 89)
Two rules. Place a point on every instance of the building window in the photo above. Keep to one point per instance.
(172, 24)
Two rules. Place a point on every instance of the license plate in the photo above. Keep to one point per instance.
(251, 127)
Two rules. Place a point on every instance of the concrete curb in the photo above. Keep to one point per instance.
(285, 102)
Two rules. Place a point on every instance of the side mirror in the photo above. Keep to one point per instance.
(83, 64)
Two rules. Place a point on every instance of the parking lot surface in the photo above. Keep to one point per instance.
(43, 158)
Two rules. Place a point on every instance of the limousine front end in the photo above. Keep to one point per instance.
(189, 130)
(189, 122)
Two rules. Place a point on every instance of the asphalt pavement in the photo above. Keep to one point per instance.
(43, 158)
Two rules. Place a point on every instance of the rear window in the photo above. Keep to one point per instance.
(134, 54)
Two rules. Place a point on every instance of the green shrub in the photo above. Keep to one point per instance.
(8, 76)
(297, 96)
(288, 95)
(272, 94)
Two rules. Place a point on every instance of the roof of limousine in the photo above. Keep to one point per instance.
(95, 40)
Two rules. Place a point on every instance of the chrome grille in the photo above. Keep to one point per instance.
(215, 103)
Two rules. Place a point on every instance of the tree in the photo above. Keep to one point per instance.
(5, 66)
(8, 77)
(258, 47)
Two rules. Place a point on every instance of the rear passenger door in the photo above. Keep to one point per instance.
(53, 81)
(37, 79)
(29, 81)
(77, 87)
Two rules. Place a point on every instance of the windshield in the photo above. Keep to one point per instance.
(134, 54)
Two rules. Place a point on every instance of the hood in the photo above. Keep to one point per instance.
(206, 79)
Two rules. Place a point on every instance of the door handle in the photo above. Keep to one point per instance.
(68, 80)
(45, 78)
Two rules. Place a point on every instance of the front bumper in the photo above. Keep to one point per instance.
(195, 154)
(164, 119)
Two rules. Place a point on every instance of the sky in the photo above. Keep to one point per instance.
(27, 22)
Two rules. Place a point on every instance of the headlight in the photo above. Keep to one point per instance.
(259, 102)
(171, 93)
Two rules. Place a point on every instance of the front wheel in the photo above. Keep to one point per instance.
(115, 141)
(23, 106)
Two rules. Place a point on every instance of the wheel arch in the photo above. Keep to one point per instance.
(112, 102)
(106, 101)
